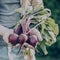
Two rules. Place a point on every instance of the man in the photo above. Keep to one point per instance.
(8, 20)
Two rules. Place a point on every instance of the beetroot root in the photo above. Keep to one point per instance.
(22, 38)
(37, 33)
(32, 40)
(13, 39)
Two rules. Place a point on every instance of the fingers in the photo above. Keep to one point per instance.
(26, 45)
(17, 45)
(6, 35)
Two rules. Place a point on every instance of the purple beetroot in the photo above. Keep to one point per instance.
(20, 35)
(13, 39)
(18, 29)
(32, 40)
(22, 38)
(37, 33)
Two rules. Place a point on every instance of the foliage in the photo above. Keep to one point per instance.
(48, 28)
(54, 5)
(44, 23)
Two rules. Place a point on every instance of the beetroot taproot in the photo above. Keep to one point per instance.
(22, 38)
(32, 40)
(13, 39)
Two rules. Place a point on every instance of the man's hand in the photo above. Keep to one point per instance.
(28, 52)
(6, 35)
(26, 45)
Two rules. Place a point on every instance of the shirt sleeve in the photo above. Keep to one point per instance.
(6, 7)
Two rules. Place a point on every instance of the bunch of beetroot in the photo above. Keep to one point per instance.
(23, 33)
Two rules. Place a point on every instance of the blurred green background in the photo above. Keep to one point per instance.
(54, 50)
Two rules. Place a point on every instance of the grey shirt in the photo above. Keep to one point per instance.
(7, 6)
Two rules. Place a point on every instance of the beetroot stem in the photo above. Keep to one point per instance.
(35, 26)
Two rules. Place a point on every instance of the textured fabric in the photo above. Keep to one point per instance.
(14, 53)
(9, 1)
(6, 7)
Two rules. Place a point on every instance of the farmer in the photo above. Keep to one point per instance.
(8, 20)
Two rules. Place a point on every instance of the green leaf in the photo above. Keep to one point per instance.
(47, 39)
(42, 28)
(52, 36)
(51, 25)
(43, 47)
(56, 29)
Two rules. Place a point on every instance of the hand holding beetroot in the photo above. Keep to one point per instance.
(20, 34)
(31, 38)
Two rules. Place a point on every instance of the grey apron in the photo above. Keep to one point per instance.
(7, 6)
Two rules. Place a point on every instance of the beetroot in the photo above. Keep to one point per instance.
(32, 40)
(37, 33)
(22, 38)
(13, 39)
(18, 29)
(32, 37)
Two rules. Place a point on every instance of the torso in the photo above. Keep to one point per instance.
(7, 6)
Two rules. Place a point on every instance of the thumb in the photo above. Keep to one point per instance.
(6, 35)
